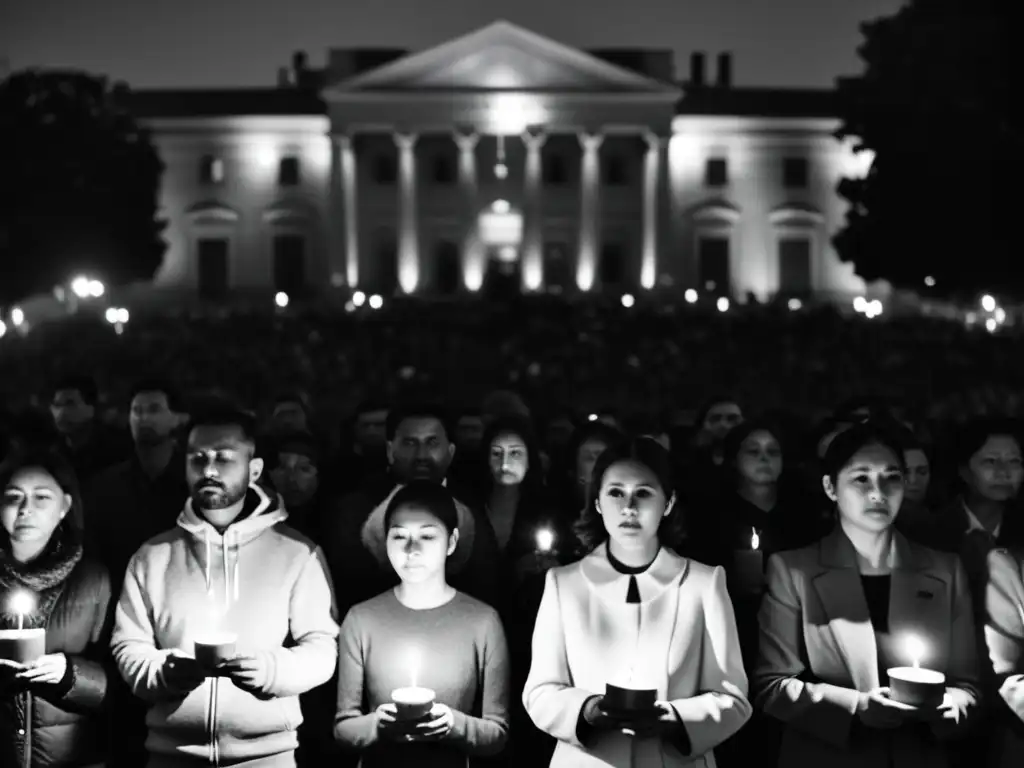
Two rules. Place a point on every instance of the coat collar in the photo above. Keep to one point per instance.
(918, 600)
(667, 570)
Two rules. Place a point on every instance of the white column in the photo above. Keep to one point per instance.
(590, 200)
(345, 167)
(408, 234)
(469, 187)
(655, 171)
(533, 212)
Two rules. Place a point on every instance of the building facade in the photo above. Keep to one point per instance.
(500, 160)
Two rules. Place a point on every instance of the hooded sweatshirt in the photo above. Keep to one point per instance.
(260, 580)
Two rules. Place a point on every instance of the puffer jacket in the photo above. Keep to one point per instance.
(64, 726)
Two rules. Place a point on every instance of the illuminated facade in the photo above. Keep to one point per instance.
(500, 159)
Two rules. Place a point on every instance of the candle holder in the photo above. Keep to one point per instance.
(629, 701)
(215, 647)
(22, 645)
(412, 703)
(916, 687)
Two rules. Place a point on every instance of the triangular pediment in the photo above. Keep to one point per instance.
(502, 57)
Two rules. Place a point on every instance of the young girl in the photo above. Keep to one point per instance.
(635, 614)
(426, 634)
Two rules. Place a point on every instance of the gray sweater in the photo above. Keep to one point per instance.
(462, 656)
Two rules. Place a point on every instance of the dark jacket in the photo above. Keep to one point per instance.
(64, 725)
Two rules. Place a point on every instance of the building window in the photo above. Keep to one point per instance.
(211, 170)
(713, 264)
(385, 170)
(794, 173)
(444, 171)
(555, 171)
(611, 270)
(795, 265)
(615, 171)
(289, 172)
(716, 172)
(212, 255)
(290, 264)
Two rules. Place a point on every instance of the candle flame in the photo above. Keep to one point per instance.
(545, 540)
(916, 650)
(21, 603)
(755, 540)
(414, 668)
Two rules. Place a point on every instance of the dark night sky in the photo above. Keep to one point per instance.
(159, 43)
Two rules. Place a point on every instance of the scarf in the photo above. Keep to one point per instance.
(43, 578)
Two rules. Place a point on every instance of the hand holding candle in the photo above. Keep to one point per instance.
(916, 686)
(22, 645)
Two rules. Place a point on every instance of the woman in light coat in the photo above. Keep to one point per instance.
(1004, 634)
(635, 614)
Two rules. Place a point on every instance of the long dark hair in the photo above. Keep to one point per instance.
(522, 428)
(590, 529)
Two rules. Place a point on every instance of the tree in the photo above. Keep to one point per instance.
(79, 180)
(936, 105)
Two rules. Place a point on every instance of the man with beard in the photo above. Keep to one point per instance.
(418, 448)
(232, 568)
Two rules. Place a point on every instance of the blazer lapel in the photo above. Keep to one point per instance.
(919, 606)
(842, 596)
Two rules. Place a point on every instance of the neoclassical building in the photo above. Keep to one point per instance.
(505, 160)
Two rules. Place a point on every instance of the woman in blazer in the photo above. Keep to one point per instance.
(840, 612)
(635, 614)
(1004, 634)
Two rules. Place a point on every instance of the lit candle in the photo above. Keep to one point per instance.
(915, 685)
(545, 540)
(755, 540)
(22, 645)
(413, 702)
(750, 565)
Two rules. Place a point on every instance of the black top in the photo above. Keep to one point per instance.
(633, 592)
(876, 592)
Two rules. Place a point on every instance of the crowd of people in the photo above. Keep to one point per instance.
(532, 512)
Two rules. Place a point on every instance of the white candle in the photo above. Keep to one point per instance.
(413, 702)
(755, 540)
(21, 603)
(545, 540)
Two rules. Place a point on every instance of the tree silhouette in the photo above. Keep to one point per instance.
(79, 180)
(936, 106)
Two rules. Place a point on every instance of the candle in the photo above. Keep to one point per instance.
(914, 685)
(22, 645)
(413, 702)
(750, 565)
(628, 700)
(545, 540)
(212, 647)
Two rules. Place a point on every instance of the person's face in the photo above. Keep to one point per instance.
(70, 411)
(418, 544)
(151, 419)
(995, 470)
(869, 489)
(420, 450)
(469, 433)
(296, 477)
(371, 430)
(632, 504)
(33, 506)
(509, 460)
(919, 475)
(558, 433)
(219, 470)
(289, 416)
(586, 457)
(721, 418)
(759, 461)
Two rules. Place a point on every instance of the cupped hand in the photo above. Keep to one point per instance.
(46, 670)
(878, 710)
